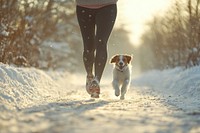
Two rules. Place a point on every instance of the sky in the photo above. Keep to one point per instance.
(133, 14)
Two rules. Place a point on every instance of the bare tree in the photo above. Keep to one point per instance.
(24, 25)
(175, 34)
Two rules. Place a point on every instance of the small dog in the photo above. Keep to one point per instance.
(121, 74)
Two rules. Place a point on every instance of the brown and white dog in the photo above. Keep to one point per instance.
(121, 74)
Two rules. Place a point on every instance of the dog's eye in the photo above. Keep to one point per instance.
(124, 59)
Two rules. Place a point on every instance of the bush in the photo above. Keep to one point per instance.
(25, 25)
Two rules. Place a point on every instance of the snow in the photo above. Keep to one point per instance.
(5, 33)
(56, 102)
(182, 86)
(24, 87)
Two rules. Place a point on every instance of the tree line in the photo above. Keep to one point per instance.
(173, 39)
(26, 24)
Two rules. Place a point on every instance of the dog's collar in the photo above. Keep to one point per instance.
(122, 70)
(119, 70)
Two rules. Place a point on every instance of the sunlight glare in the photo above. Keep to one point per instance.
(134, 13)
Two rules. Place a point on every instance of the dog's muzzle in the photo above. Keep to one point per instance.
(121, 66)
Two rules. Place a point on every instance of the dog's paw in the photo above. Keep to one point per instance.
(116, 95)
(122, 98)
(117, 92)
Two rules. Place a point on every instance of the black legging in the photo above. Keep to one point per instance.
(96, 26)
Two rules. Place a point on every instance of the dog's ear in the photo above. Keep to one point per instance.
(129, 58)
(113, 59)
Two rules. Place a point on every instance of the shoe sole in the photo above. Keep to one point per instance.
(95, 91)
(94, 95)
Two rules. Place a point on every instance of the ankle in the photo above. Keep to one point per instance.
(90, 76)
(97, 79)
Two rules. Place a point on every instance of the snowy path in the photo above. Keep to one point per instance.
(72, 111)
(141, 112)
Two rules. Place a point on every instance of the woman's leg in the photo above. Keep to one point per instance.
(86, 20)
(105, 19)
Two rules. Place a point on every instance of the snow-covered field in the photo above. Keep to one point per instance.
(32, 100)
(182, 87)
